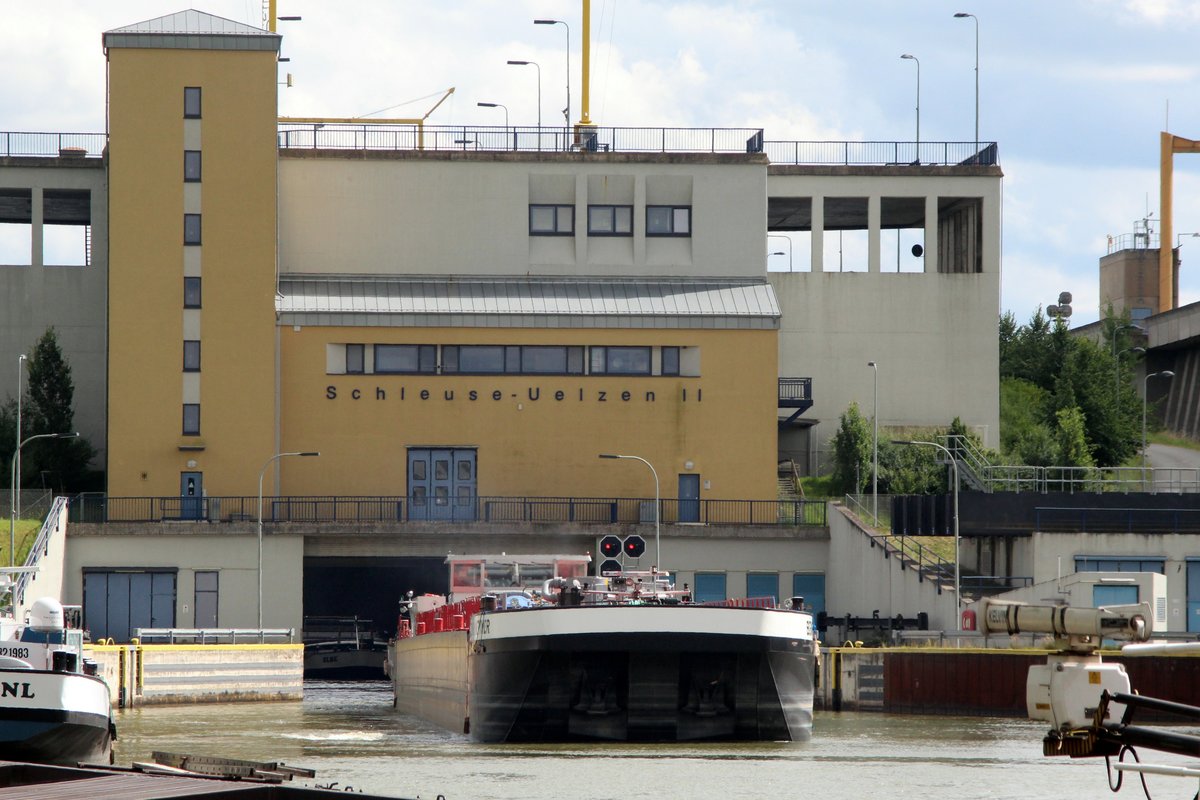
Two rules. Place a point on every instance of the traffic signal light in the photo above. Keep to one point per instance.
(610, 547)
(611, 567)
(635, 546)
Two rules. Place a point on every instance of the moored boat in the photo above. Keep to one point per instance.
(54, 709)
(342, 649)
(622, 656)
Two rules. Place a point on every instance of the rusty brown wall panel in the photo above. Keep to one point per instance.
(956, 683)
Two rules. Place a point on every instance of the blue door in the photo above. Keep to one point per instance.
(1193, 596)
(710, 587)
(689, 498)
(763, 584)
(441, 483)
(191, 495)
(812, 589)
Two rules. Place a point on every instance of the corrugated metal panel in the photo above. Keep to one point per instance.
(192, 22)
(527, 302)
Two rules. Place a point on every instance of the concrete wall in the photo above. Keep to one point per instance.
(231, 550)
(162, 674)
(439, 213)
(36, 294)
(861, 580)
(48, 580)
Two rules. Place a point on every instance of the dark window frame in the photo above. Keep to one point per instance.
(188, 155)
(199, 294)
(186, 430)
(612, 209)
(514, 359)
(192, 345)
(556, 231)
(188, 239)
(671, 233)
(426, 359)
(192, 96)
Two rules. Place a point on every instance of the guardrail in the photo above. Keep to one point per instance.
(1051, 519)
(213, 635)
(44, 145)
(483, 138)
(880, 154)
(98, 508)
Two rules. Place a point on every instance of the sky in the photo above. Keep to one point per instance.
(1074, 92)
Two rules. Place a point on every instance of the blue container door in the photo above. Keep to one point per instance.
(689, 498)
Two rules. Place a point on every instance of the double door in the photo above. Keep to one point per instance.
(442, 483)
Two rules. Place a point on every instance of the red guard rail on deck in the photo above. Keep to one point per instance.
(743, 602)
(450, 617)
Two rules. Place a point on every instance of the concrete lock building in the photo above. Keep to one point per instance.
(461, 321)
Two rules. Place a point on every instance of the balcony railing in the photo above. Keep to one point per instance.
(879, 154)
(99, 508)
(476, 138)
(78, 145)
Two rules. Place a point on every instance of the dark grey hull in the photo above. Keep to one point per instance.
(642, 687)
(46, 736)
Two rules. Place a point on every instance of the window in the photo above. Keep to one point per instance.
(551, 220)
(402, 358)
(610, 220)
(191, 292)
(191, 229)
(191, 355)
(191, 102)
(620, 360)
(512, 359)
(354, 359)
(191, 166)
(1118, 564)
(191, 419)
(668, 220)
(670, 361)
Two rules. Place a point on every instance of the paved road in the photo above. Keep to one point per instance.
(1175, 468)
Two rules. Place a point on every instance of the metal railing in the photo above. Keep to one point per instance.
(795, 390)
(898, 154)
(98, 508)
(929, 565)
(39, 548)
(473, 138)
(213, 635)
(78, 145)
(1051, 519)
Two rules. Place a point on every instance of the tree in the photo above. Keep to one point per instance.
(852, 452)
(51, 410)
(1073, 450)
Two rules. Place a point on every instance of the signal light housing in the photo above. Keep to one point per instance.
(635, 546)
(610, 547)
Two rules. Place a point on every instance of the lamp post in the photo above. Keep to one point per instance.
(1178, 242)
(1116, 333)
(787, 239)
(875, 445)
(260, 529)
(657, 543)
(964, 15)
(13, 486)
(1118, 364)
(1166, 373)
(497, 105)
(957, 577)
(917, 61)
(567, 110)
(539, 80)
(17, 453)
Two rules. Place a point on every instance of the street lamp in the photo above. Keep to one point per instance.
(657, 544)
(21, 359)
(1116, 333)
(1118, 364)
(260, 535)
(875, 445)
(497, 105)
(964, 15)
(787, 239)
(1178, 237)
(13, 486)
(957, 579)
(567, 110)
(1166, 373)
(917, 61)
(539, 79)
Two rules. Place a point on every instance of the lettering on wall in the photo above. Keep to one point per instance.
(532, 394)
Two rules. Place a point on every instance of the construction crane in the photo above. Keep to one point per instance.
(418, 121)
(1169, 145)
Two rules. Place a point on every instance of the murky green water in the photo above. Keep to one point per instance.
(351, 735)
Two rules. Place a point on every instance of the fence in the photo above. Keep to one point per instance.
(883, 153)
(98, 508)
(78, 145)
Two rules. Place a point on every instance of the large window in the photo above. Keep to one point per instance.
(191, 419)
(512, 359)
(668, 220)
(191, 166)
(620, 360)
(610, 220)
(551, 220)
(401, 358)
(191, 102)
(191, 229)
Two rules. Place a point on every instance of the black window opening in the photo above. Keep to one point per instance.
(355, 359)
(405, 358)
(191, 355)
(191, 229)
(191, 419)
(620, 361)
(191, 102)
(610, 220)
(191, 293)
(551, 220)
(191, 166)
(668, 220)
(512, 359)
